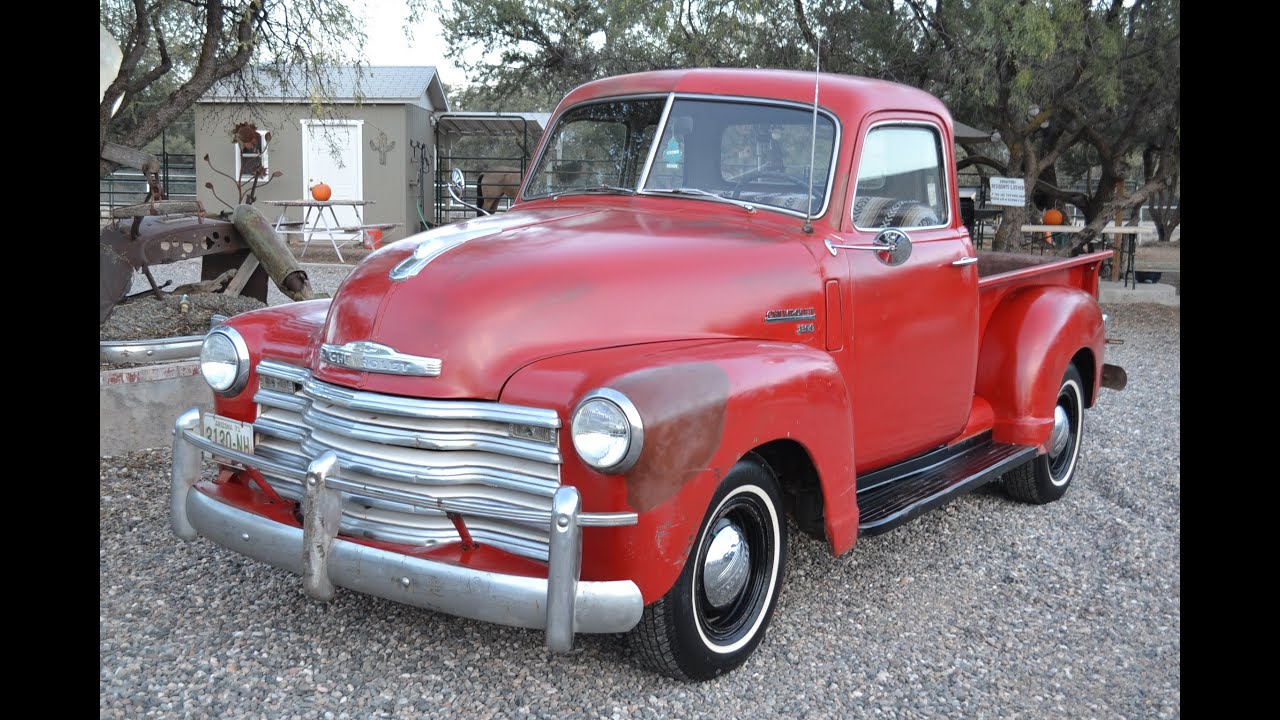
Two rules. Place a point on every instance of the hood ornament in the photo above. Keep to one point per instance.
(438, 241)
(375, 358)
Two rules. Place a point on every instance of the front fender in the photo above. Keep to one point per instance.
(703, 404)
(282, 332)
(1031, 337)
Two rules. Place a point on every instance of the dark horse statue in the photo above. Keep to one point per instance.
(494, 184)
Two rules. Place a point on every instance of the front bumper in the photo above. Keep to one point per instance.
(561, 604)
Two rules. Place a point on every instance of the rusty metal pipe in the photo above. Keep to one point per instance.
(273, 254)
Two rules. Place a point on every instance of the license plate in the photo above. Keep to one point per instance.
(228, 433)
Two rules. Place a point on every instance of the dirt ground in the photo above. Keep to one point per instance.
(321, 251)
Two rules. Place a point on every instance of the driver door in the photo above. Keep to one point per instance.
(915, 324)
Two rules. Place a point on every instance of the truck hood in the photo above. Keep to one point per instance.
(487, 296)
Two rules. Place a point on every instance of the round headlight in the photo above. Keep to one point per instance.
(607, 432)
(224, 361)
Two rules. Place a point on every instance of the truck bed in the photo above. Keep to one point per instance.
(998, 269)
(1000, 273)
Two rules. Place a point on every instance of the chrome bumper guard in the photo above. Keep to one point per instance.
(561, 604)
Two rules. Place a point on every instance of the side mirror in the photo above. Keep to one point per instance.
(896, 244)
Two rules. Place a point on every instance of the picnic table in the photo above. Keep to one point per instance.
(1125, 242)
(316, 221)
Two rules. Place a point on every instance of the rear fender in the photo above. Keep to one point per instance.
(1031, 337)
(703, 406)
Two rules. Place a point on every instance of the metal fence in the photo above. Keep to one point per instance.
(448, 210)
(129, 187)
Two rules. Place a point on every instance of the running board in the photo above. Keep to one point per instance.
(889, 503)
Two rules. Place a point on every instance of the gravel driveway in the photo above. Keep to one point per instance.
(985, 608)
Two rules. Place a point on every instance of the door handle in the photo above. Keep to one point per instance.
(964, 261)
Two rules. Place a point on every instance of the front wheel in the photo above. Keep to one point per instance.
(1047, 477)
(715, 615)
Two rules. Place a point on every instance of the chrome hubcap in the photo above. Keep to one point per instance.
(1061, 431)
(725, 569)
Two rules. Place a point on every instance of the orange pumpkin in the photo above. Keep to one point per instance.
(1054, 216)
(321, 191)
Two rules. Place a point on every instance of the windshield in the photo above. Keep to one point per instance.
(737, 150)
(596, 147)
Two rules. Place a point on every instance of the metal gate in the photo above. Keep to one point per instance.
(493, 150)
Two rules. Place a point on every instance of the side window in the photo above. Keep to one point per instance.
(251, 153)
(900, 179)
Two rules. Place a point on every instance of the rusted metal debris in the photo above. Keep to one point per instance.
(151, 233)
(157, 240)
(272, 252)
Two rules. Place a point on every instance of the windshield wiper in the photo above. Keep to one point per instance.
(596, 189)
(698, 192)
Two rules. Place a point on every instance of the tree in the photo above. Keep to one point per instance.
(1061, 80)
(538, 50)
(176, 50)
(1051, 76)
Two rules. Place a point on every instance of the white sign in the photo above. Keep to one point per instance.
(1008, 191)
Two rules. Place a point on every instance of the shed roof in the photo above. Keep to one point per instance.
(342, 84)
(492, 123)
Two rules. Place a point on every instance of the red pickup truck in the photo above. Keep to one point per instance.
(716, 305)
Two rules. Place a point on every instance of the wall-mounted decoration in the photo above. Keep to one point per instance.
(382, 147)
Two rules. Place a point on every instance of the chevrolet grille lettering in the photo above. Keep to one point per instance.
(375, 358)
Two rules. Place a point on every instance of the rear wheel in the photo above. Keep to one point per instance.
(1047, 477)
(715, 615)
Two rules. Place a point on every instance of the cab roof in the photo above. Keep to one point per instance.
(844, 95)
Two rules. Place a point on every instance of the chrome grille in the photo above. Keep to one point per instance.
(403, 461)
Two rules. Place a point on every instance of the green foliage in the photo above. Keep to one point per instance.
(176, 50)
(1092, 84)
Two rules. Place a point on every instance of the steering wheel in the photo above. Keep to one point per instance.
(763, 174)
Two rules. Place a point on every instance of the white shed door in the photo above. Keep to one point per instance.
(331, 154)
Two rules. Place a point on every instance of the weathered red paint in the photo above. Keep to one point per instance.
(683, 408)
(665, 298)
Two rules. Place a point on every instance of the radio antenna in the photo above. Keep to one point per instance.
(813, 135)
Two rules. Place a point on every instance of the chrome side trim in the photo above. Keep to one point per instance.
(277, 467)
(185, 347)
(612, 606)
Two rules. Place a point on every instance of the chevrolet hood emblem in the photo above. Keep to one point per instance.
(375, 358)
